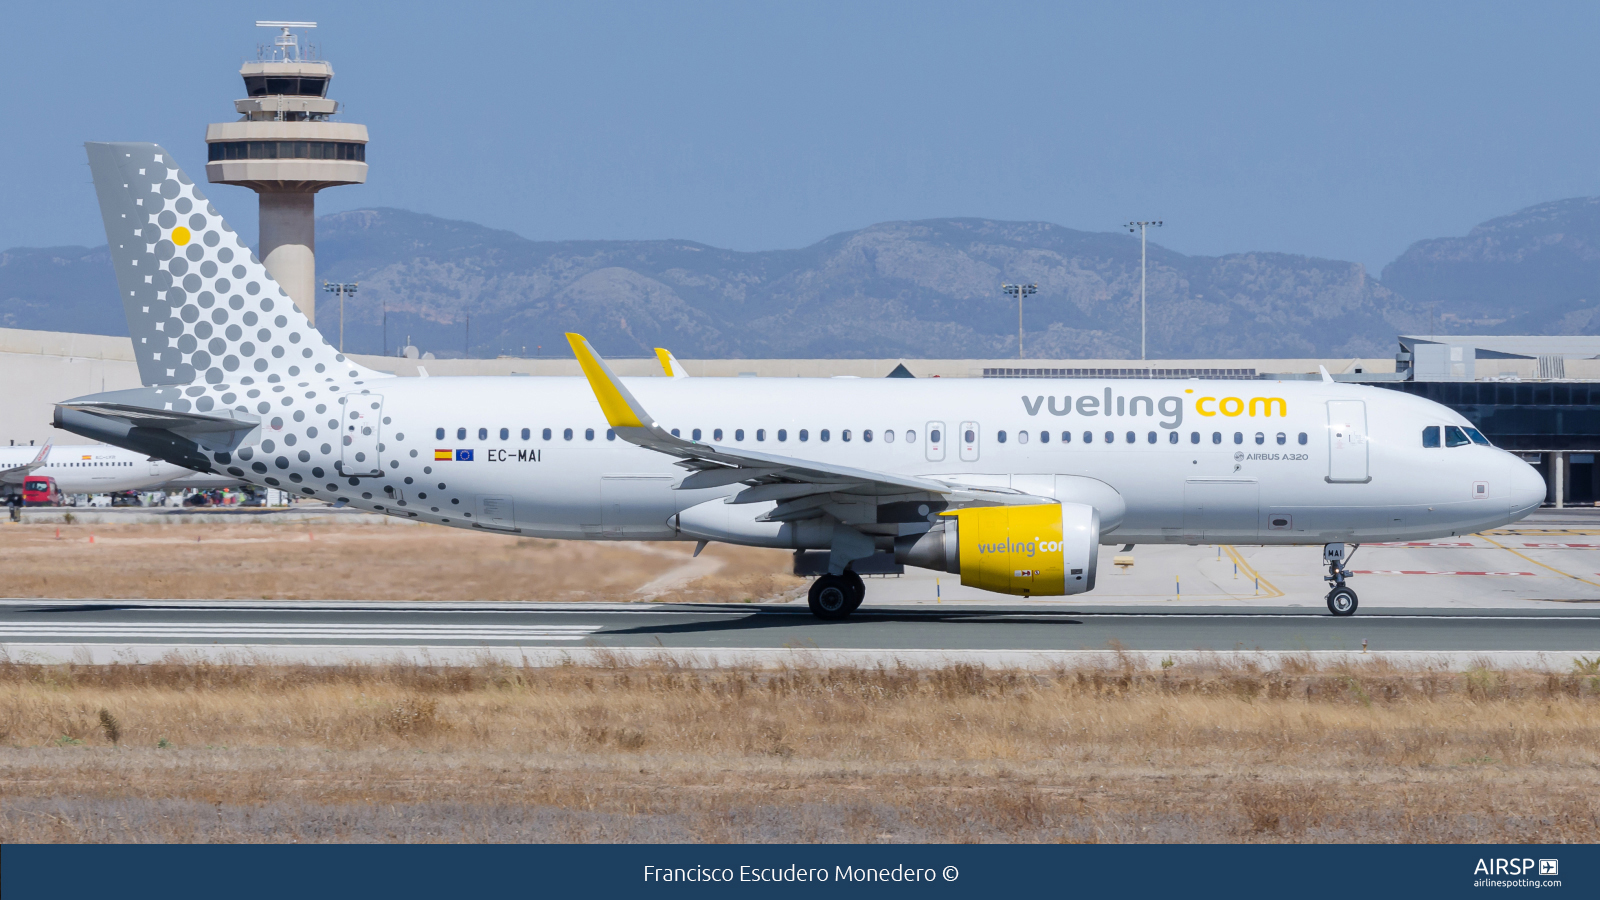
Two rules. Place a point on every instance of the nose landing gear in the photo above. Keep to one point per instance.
(835, 597)
(1342, 601)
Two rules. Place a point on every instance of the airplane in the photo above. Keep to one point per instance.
(1014, 485)
(98, 469)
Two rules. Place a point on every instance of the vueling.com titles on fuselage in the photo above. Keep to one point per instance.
(1171, 408)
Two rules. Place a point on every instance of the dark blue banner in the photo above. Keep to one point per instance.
(1179, 871)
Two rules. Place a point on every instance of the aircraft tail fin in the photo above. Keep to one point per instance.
(201, 308)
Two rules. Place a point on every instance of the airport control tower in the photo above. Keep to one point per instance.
(286, 147)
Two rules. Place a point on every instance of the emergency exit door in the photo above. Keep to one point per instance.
(1347, 442)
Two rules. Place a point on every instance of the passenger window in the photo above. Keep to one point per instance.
(1430, 436)
(611, 434)
(1111, 437)
(1282, 439)
(1066, 437)
(1238, 437)
(546, 434)
(936, 435)
(888, 435)
(823, 434)
(1194, 437)
(566, 434)
(783, 435)
(526, 434)
(1044, 437)
(1088, 437)
(1475, 434)
(911, 436)
(438, 434)
(1000, 436)
(1216, 437)
(1152, 437)
(1172, 437)
(1131, 438)
(805, 435)
(716, 434)
(483, 434)
(761, 434)
(1022, 437)
(461, 434)
(588, 434)
(505, 434)
(866, 435)
(675, 433)
(1260, 438)
(1302, 438)
(695, 434)
(738, 434)
(1455, 437)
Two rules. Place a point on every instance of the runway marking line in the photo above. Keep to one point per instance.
(1537, 563)
(1250, 572)
(1428, 572)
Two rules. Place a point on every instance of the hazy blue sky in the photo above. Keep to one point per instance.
(1344, 130)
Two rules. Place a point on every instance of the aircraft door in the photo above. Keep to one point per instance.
(1347, 442)
(935, 441)
(636, 506)
(968, 437)
(495, 511)
(1221, 510)
(155, 467)
(359, 454)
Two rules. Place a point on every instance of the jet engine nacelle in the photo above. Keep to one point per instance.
(1044, 550)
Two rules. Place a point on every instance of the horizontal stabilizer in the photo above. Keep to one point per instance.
(186, 423)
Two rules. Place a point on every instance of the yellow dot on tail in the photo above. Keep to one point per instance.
(180, 235)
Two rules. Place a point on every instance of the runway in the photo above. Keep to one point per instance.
(541, 633)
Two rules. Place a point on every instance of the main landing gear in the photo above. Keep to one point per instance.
(1342, 601)
(835, 597)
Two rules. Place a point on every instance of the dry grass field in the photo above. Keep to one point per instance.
(184, 752)
(373, 558)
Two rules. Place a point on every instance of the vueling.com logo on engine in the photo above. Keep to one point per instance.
(1026, 548)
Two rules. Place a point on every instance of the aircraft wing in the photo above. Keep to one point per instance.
(670, 364)
(17, 474)
(802, 488)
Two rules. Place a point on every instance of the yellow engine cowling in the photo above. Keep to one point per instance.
(1044, 550)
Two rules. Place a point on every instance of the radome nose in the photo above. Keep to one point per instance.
(1527, 488)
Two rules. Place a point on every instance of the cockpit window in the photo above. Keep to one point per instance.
(1477, 437)
(1455, 437)
(1430, 436)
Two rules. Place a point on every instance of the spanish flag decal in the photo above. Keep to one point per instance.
(443, 455)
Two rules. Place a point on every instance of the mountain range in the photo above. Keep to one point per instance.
(897, 289)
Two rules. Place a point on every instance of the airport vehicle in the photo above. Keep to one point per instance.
(97, 469)
(1012, 484)
(39, 490)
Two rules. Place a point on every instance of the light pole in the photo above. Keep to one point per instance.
(1140, 227)
(1019, 291)
(342, 290)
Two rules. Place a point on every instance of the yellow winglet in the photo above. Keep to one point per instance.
(666, 360)
(622, 411)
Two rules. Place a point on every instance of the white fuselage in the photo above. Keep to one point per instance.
(1291, 462)
(102, 469)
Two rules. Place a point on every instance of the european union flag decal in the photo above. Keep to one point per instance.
(463, 456)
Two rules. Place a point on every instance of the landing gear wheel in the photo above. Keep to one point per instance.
(1342, 601)
(858, 589)
(830, 598)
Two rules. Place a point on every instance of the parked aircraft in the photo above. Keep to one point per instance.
(1013, 484)
(99, 469)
